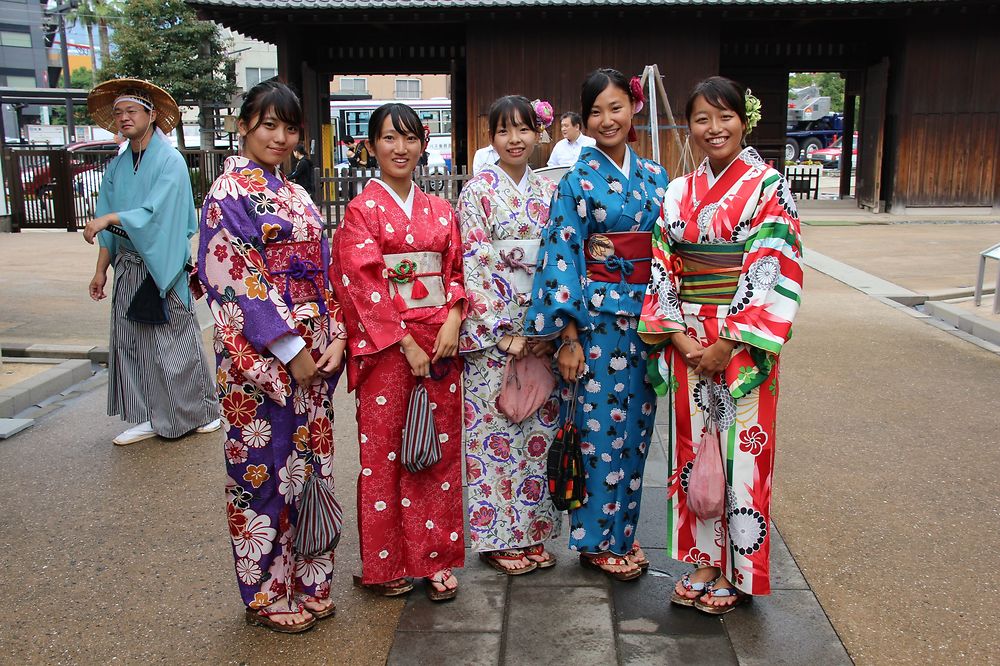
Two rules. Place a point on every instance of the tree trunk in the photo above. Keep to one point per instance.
(93, 52)
(180, 137)
(102, 29)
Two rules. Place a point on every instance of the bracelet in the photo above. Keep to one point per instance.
(510, 341)
(571, 342)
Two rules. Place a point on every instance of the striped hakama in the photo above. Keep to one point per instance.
(156, 373)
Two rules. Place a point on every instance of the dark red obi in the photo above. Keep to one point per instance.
(296, 270)
(622, 257)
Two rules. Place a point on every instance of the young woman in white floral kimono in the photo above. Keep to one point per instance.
(501, 213)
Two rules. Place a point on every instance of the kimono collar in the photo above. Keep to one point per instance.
(748, 155)
(239, 162)
(406, 205)
(521, 186)
(626, 168)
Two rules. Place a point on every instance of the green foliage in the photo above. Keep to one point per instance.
(164, 42)
(830, 85)
(82, 78)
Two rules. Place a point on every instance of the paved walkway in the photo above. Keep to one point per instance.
(573, 615)
(883, 492)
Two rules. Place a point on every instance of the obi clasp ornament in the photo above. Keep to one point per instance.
(415, 279)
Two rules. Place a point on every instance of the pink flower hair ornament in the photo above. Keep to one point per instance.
(546, 116)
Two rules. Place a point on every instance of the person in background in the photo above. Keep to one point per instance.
(567, 150)
(158, 376)
(359, 154)
(484, 157)
(302, 172)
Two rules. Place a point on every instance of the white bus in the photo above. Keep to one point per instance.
(351, 119)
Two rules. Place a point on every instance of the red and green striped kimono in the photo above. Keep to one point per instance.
(726, 263)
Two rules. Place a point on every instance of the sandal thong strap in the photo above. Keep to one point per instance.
(610, 559)
(506, 555)
(440, 576)
(537, 550)
(721, 592)
(264, 612)
(693, 587)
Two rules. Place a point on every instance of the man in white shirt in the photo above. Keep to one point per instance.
(567, 151)
(483, 158)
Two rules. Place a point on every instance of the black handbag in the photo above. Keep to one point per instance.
(565, 464)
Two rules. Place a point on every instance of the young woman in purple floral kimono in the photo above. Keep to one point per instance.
(279, 342)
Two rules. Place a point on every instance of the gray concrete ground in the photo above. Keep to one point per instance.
(884, 494)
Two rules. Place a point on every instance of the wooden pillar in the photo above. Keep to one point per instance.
(847, 147)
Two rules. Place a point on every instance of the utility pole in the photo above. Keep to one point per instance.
(60, 11)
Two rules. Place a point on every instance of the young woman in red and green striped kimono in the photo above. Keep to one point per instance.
(725, 286)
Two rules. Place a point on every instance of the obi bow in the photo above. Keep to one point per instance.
(625, 267)
(514, 260)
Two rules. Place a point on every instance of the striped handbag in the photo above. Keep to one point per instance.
(421, 448)
(320, 519)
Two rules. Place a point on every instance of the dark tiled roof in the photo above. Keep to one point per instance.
(482, 4)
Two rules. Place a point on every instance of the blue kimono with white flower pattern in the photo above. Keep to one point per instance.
(616, 403)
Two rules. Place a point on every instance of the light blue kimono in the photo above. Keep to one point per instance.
(156, 207)
(616, 403)
(156, 372)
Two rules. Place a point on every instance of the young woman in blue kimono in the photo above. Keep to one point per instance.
(588, 293)
(279, 342)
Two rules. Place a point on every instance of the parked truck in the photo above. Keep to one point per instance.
(811, 124)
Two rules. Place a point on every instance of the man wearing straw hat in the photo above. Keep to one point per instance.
(158, 377)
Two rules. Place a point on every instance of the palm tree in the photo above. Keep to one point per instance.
(85, 14)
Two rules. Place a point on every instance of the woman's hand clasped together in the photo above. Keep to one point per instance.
(708, 361)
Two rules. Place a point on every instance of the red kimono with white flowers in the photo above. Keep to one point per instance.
(410, 523)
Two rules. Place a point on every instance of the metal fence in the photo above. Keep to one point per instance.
(53, 188)
(335, 190)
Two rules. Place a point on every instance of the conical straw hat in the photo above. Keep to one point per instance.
(100, 102)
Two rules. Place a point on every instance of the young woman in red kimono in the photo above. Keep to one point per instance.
(397, 268)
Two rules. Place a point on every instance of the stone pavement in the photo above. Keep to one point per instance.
(884, 494)
(578, 616)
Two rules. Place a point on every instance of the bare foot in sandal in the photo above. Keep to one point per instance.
(615, 566)
(280, 617)
(443, 585)
(319, 608)
(720, 597)
(692, 585)
(541, 557)
(512, 562)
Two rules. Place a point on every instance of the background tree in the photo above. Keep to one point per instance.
(830, 85)
(98, 14)
(82, 78)
(163, 41)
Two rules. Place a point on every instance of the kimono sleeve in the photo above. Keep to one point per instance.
(160, 227)
(661, 311)
(767, 299)
(452, 266)
(232, 269)
(359, 276)
(489, 297)
(558, 290)
(105, 196)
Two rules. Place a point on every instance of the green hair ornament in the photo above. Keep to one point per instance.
(753, 110)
